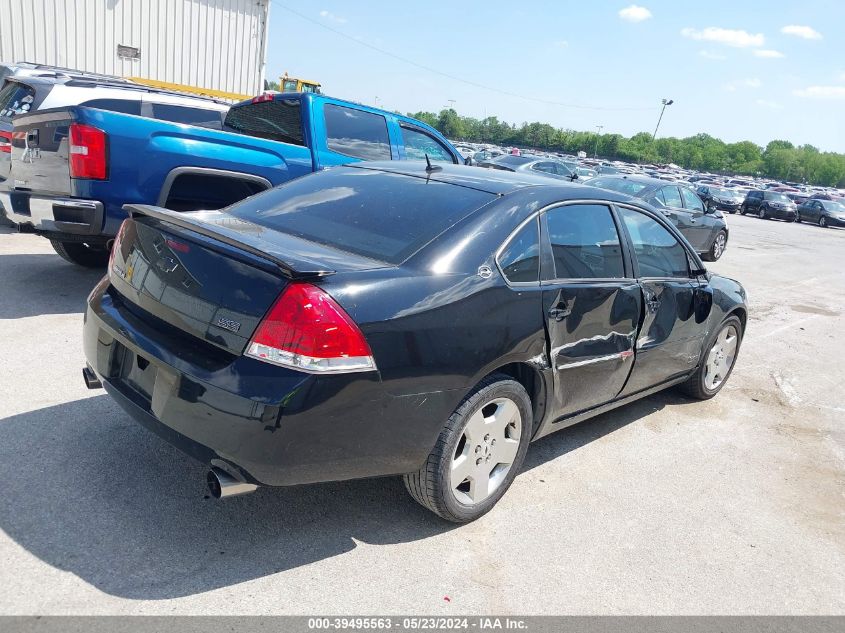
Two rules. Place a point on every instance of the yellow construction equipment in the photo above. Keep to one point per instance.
(292, 84)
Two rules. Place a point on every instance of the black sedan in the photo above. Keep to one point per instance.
(824, 212)
(378, 319)
(705, 228)
(537, 165)
(720, 198)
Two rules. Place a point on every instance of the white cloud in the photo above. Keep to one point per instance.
(712, 55)
(729, 37)
(821, 92)
(771, 105)
(768, 53)
(634, 13)
(733, 86)
(805, 32)
(332, 17)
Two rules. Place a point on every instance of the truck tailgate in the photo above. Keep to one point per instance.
(39, 153)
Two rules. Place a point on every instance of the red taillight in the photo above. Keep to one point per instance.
(307, 330)
(262, 98)
(87, 151)
(6, 142)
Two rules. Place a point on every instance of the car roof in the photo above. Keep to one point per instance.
(494, 181)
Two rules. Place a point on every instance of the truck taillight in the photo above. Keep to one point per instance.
(88, 151)
(262, 98)
(5, 142)
(307, 330)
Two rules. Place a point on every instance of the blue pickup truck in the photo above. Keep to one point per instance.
(73, 168)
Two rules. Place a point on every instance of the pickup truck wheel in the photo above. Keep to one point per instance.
(82, 254)
(478, 452)
(717, 361)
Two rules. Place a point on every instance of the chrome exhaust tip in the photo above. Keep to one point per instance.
(221, 484)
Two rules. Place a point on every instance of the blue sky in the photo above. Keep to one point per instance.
(737, 70)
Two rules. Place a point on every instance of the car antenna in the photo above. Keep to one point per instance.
(429, 167)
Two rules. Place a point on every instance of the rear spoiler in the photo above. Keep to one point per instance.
(292, 267)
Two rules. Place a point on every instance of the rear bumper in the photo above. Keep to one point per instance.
(53, 214)
(273, 425)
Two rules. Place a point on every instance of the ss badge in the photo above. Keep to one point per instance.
(228, 324)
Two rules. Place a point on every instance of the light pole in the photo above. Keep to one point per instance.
(596, 151)
(666, 102)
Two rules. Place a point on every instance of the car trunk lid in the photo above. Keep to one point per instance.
(210, 274)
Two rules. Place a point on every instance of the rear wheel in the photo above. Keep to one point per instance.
(82, 254)
(718, 361)
(798, 218)
(762, 213)
(717, 247)
(743, 209)
(478, 452)
(823, 222)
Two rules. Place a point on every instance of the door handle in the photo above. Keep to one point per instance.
(562, 310)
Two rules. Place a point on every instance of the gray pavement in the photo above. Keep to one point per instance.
(736, 505)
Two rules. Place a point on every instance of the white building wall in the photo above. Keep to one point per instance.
(216, 44)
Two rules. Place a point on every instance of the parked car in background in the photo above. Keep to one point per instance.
(720, 198)
(537, 165)
(824, 212)
(768, 205)
(705, 229)
(309, 334)
(74, 168)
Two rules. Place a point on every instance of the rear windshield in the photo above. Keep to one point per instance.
(277, 120)
(777, 197)
(513, 161)
(376, 214)
(621, 185)
(15, 98)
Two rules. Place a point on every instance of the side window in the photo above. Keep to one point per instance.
(418, 144)
(691, 201)
(585, 243)
(548, 168)
(187, 115)
(657, 251)
(561, 169)
(115, 105)
(520, 261)
(356, 133)
(671, 197)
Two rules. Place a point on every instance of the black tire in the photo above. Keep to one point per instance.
(798, 218)
(762, 213)
(82, 254)
(715, 251)
(823, 222)
(695, 386)
(431, 485)
(743, 209)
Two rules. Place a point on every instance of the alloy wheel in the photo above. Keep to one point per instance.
(721, 357)
(762, 213)
(719, 245)
(486, 451)
(823, 222)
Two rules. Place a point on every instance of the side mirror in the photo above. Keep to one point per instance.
(468, 161)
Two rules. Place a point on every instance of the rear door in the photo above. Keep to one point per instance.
(672, 206)
(591, 303)
(702, 225)
(670, 339)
